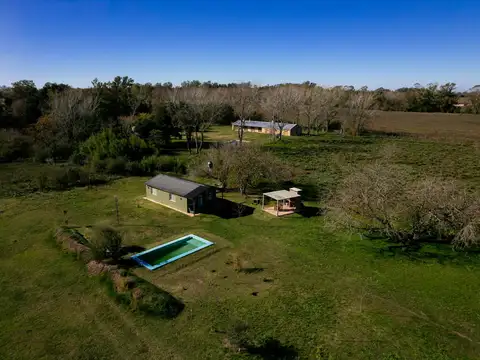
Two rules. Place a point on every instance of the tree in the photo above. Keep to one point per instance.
(310, 108)
(139, 94)
(222, 160)
(245, 100)
(359, 112)
(251, 164)
(24, 103)
(73, 113)
(380, 199)
(197, 108)
(474, 102)
(280, 103)
(329, 103)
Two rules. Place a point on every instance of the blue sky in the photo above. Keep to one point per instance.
(343, 42)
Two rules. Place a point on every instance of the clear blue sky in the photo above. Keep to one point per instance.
(342, 42)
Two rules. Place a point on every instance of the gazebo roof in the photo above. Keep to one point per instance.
(282, 194)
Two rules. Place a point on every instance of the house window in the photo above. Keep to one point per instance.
(209, 195)
(171, 197)
(154, 191)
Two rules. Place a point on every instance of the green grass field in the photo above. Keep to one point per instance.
(323, 295)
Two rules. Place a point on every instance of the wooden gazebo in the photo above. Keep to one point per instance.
(286, 201)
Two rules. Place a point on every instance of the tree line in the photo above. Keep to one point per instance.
(122, 118)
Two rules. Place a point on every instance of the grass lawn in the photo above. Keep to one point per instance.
(323, 295)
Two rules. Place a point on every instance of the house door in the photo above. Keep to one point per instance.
(200, 201)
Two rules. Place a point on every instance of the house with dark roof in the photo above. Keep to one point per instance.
(182, 195)
(266, 127)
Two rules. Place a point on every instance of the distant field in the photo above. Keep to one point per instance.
(430, 125)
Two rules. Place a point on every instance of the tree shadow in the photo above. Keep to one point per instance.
(311, 211)
(430, 252)
(227, 209)
(272, 349)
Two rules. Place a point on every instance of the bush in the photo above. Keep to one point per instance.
(98, 165)
(65, 178)
(116, 166)
(108, 144)
(105, 242)
(154, 164)
(133, 168)
(14, 146)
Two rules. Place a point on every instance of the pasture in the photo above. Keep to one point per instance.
(304, 291)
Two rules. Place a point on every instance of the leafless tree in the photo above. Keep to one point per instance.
(309, 107)
(251, 164)
(359, 112)
(330, 103)
(474, 102)
(139, 94)
(198, 108)
(382, 199)
(72, 112)
(280, 102)
(245, 100)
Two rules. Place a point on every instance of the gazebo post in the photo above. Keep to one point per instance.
(263, 201)
(277, 207)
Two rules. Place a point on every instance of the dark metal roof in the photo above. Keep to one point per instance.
(177, 186)
(264, 124)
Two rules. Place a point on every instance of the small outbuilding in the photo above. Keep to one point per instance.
(285, 202)
(266, 127)
(182, 195)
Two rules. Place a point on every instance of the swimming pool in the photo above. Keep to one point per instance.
(166, 253)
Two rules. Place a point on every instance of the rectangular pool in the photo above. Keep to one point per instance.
(163, 254)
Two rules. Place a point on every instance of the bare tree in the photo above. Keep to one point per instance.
(381, 199)
(72, 112)
(210, 108)
(244, 99)
(139, 94)
(474, 102)
(222, 161)
(330, 102)
(280, 102)
(251, 164)
(197, 109)
(309, 107)
(359, 112)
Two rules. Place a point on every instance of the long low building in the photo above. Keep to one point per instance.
(266, 127)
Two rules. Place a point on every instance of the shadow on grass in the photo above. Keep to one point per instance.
(227, 209)
(440, 253)
(272, 349)
(311, 211)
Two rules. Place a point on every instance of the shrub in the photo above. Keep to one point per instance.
(108, 144)
(116, 166)
(133, 168)
(14, 145)
(98, 165)
(105, 242)
(42, 181)
(154, 164)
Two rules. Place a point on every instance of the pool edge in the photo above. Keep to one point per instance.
(206, 243)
